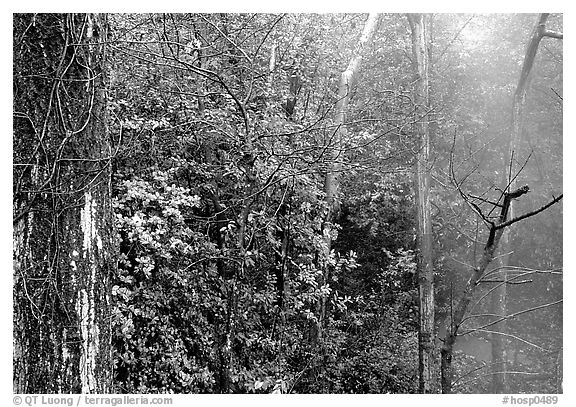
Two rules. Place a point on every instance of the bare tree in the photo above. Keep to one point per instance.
(496, 229)
(499, 378)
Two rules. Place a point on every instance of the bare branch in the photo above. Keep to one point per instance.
(457, 185)
(227, 38)
(553, 34)
(516, 338)
(529, 214)
(557, 94)
(514, 315)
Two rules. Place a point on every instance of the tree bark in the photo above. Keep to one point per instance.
(420, 30)
(64, 251)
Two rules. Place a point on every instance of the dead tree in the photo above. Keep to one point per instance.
(496, 228)
(499, 380)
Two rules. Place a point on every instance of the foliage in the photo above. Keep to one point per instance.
(222, 130)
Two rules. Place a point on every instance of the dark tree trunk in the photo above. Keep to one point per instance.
(63, 226)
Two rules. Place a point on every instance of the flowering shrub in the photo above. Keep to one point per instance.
(162, 331)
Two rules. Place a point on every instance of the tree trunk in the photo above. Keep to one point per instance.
(347, 79)
(332, 179)
(499, 308)
(419, 24)
(486, 258)
(499, 380)
(64, 251)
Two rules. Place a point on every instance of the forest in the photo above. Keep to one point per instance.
(287, 203)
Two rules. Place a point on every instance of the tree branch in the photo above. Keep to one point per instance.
(529, 214)
(514, 315)
(553, 34)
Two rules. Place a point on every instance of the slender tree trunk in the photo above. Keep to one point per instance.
(332, 179)
(499, 380)
(295, 84)
(498, 230)
(347, 80)
(499, 308)
(419, 24)
(64, 251)
(199, 54)
(559, 372)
